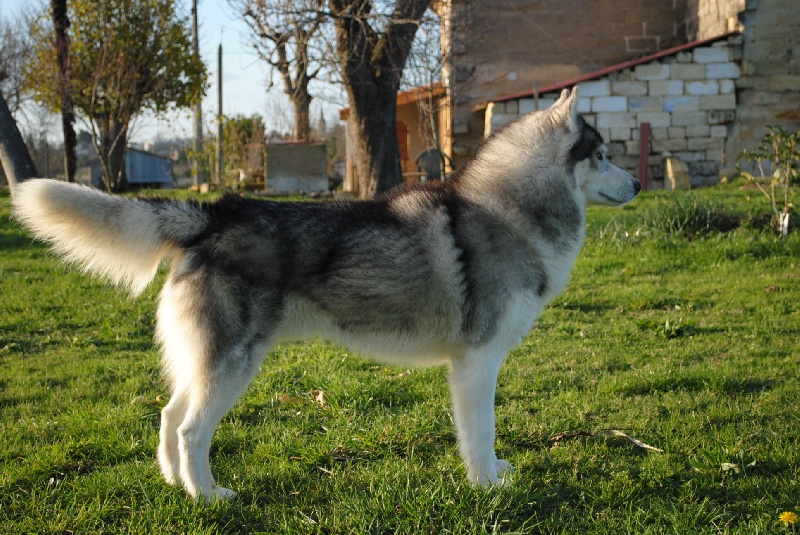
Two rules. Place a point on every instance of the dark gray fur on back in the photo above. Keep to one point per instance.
(368, 267)
(358, 261)
(372, 268)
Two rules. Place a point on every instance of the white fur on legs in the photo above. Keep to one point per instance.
(172, 415)
(208, 404)
(473, 379)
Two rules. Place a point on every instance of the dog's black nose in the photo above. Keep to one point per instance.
(637, 186)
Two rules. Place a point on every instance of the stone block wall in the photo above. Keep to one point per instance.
(768, 91)
(689, 100)
(295, 168)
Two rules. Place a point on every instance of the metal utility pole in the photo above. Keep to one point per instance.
(220, 167)
(198, 108)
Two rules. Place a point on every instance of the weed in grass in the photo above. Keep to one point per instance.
(687, 216)
(789, 518)
(779, 152)
(669, 328)
(721, 460)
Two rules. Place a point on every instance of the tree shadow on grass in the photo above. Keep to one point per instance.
(730, 386)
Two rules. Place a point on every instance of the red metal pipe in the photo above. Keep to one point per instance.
(644, 151)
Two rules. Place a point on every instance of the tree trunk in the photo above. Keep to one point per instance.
(375, 138)
(111, 151)
(302, 116)
(116, 158)
(14, 156)
(297, 91)
(61, 25)
(372, 64)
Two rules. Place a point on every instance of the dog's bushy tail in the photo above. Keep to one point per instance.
(122, 239)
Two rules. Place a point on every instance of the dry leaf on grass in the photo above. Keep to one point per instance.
(319, 397)
(634, 441)
(287, 399)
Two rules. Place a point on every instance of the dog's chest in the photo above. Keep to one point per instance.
(558, 269)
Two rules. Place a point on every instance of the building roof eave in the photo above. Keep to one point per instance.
(608, 70)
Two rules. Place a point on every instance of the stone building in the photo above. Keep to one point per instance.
(706, 75)
(685, 97)
(495, 48)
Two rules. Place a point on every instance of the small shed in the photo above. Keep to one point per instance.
(143, 169)
(296, 167)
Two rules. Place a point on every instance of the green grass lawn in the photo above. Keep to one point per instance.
(684, 338)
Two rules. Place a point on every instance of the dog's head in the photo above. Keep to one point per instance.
(587, 156)
(548, 153)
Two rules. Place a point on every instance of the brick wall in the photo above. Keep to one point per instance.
(498, 48)
(704, 105)
(768, 90)
(689, 100)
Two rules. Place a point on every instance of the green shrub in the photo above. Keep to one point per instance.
(777, 158)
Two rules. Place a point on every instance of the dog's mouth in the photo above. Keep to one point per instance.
(611, 199)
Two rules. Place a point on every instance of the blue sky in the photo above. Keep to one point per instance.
(244, 75)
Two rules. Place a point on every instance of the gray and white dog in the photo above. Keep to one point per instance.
(452, 273)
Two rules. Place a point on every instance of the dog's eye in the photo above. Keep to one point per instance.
(599, 155)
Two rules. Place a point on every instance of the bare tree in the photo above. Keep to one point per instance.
(14, 50)
(58, 10)
(373, 42)
(286, 35)
(423, 74)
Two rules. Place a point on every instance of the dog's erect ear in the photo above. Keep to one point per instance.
(564, 94)
(565, 109)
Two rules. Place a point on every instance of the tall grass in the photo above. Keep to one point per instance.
(688, 216)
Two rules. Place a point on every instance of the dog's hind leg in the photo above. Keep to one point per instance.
(473, 380)
(172, 416)
(210, 355)
(208, 402)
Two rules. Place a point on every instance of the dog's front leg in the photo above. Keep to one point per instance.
(473, 379)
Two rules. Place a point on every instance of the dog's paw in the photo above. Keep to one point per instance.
(489, 481)
(225, 494)
(504, 468)
(219, 494)
(497, 478)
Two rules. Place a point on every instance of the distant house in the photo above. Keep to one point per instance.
(143, 169)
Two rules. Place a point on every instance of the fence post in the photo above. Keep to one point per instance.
(644, 150)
